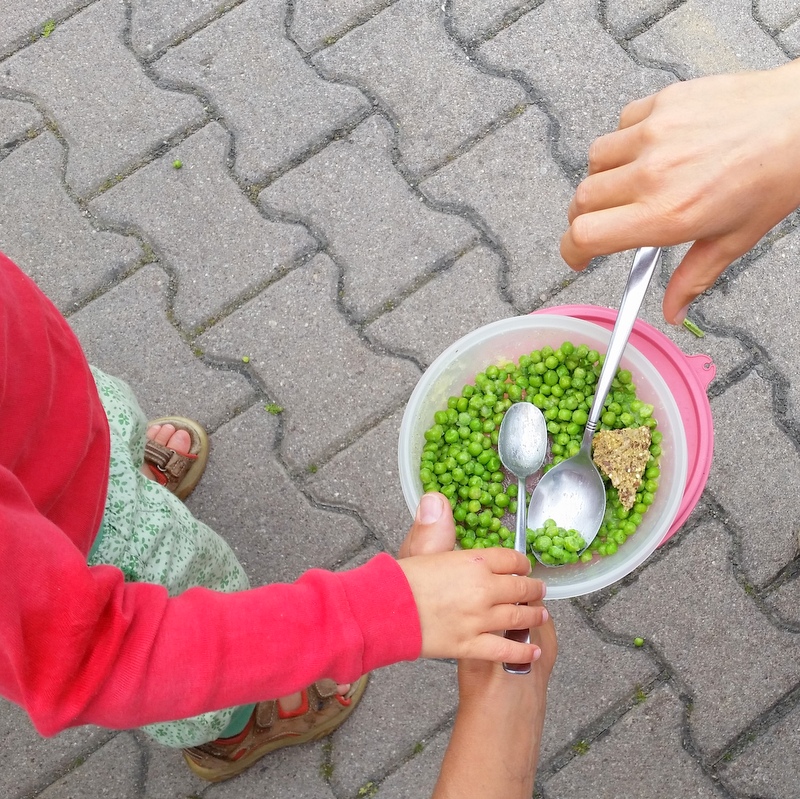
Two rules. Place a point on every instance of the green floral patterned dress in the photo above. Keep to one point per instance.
(152, 537)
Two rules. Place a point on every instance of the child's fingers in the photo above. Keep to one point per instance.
(489, 646)
(517, 617)
(501, 560)
(511, 589)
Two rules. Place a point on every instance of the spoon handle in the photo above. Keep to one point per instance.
(520, 544)
(644, 264)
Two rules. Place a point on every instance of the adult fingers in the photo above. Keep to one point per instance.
(614, 149)
(610, 189)
(636, 111)
(602, 232)
(433, 529)
(701, 266)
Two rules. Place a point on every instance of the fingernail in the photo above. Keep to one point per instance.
(430, 509)
(545, 615)
(537, 653)
(681, 315)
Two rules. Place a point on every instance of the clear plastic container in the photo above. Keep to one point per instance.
(504, 341)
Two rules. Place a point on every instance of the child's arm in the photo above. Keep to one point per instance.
(714, 160)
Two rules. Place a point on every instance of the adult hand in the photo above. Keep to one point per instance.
(494, 747)
(464, 596)
(714, 161)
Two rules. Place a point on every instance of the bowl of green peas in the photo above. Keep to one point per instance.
(448, 439)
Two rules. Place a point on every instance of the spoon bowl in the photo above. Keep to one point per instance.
(572, 493)
(522, 446)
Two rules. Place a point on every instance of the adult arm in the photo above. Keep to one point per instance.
(494, 747)
(714, 161)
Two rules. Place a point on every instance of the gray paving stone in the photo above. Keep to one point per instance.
(365, 479)
(274, 103)
(111, 771)
(295, 772)
(578, 697)
(354, 198)
(438, 98)
(25, 19)
(403, 705)
(313, 363)
(48, 235)
(317, 23)
(202, 226)
(247, 497)
(690, 607)
(766, 320)
(704, 42)
(790, 40)
(767, 542)
(17, 119)
(110, 117)
(416, 777)
(474, 19)
(165, 774)
(32, 762)
(583, 74)
(511, 181)
(454, 302)
(786, 600)
(361, 557)
(125, 332)
(641, 756)
(768, 767)
(775, 13)
(625, 15)
(157, 23)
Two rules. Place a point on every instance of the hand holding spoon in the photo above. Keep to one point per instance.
(522, 445)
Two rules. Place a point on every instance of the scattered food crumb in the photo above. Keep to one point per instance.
(273, 408)
(693, 328)
(177, 163)
(638, 641)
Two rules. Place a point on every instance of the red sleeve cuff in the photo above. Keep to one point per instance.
(383, 606)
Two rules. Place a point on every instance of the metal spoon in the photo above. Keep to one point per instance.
(522, 445)
(572, 493)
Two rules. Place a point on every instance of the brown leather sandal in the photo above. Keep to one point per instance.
(321, 711)
(176, 472)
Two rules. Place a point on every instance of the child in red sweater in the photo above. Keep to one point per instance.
(182, 645)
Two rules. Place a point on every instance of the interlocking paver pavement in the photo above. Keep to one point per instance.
(361, 182)
(275, 104)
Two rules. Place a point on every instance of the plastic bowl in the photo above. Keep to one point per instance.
(504, 341)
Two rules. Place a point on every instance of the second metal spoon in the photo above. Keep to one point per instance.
(573, 492)
(522, 445)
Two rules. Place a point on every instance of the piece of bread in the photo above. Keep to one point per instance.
(622, 456)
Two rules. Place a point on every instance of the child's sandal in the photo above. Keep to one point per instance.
(177, 472)
(321, 711)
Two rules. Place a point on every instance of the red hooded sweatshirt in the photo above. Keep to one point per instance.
(79, 645)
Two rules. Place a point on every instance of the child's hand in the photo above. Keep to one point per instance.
(463, 597)
(714, 160)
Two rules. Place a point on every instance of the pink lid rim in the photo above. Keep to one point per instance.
(687, 376)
